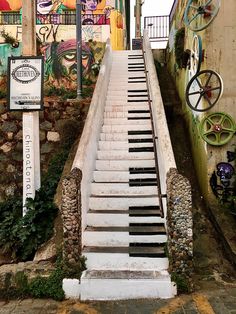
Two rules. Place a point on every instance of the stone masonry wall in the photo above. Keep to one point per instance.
(71, 216)
(58, 122)
(179, 224)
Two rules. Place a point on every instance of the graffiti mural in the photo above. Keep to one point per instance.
(60, 62)
(10, 5)
(222, 181)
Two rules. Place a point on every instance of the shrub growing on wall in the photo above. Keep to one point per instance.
(179, 46)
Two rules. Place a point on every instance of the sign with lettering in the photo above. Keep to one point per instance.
(25, 83)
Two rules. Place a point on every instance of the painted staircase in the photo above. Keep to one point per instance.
(124, 240)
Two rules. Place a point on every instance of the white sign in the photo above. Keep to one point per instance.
(25, 84)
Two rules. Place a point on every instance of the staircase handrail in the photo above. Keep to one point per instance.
(164, 151)
(85, 156)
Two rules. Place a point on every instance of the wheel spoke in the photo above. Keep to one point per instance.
(193, 18)
(198, 82)
(194, 93)
(199, 99)
(208, 2)
(213, 88)
(228, 130)
(218, 137)
(208, 119)
(208, 100)
(193, 6)
(208, 79)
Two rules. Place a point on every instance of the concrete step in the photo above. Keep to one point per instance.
(127, 114)
(119, 176)
(117, 258)
(123, 164)
(121, 102)
(125, 121)
(121, 203)
(121, 145)
(118, 285)
(120, 236)
(124, 86)
(117, 218)
(121, 189)
(123, 155)
(123, 137)
(125, 108)
(125, 128)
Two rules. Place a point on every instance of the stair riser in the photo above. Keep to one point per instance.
(105, 145)
(117, 261)
(121, 102)
(122, 136)
(118, 115)
(112, 203)
(121, 189)
(117, 176)
(125, 108)
(114, 220)
(125, 121)
(100, 238)
(125, 128)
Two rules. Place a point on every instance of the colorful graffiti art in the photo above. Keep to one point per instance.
(221, 181)
(10, 5)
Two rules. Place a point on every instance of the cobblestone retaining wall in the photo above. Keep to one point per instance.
(58, 121)
(179, 224)
(71, 216)
(31, 269)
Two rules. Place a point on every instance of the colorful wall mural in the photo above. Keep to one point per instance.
(56, 33)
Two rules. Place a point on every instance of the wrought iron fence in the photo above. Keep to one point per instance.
(67, 18)
(158, 27)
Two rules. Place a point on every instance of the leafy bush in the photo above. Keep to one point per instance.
(21, 236)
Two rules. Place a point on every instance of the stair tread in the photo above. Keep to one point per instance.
(124, 249)
(143, 228)
(125, 274)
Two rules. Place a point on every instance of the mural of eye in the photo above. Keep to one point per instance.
(70, 56)
(45, 4)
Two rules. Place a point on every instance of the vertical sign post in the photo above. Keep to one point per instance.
(79, 48)
(31, 150)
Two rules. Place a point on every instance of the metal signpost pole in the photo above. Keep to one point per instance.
(31, 149)
(79, 48)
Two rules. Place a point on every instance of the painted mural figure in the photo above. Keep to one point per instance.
(90, 18)
(45, 9)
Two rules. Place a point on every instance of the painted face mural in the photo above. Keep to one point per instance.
(60, 63)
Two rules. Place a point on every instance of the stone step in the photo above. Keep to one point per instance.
(123, 164)
(121, 189)
(118, 285)
(121, 203)
(123, 155)
(121, 145)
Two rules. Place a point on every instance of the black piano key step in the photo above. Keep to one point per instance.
(138, 111)
(147, 229)
(140, 140)
(139, 95)
(138, 63)
(147, 250)
(138, 118)
(137, 100)
(137, 77)
(141, 149)
(139, 132)
(135, 56)
(144, 211)
(136, 67)
(143, 182)
(136, 82)
(136, 70)
(137, 90)
(142, 170)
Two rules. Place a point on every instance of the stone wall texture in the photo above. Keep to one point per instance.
(59, 121)
(71, 216)
(179, 224)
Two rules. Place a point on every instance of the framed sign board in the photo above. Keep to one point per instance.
(25, 83)
(137, 43)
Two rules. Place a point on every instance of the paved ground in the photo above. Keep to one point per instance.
(220, 300)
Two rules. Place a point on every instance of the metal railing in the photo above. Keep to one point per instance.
(157, 27)
(67, 18)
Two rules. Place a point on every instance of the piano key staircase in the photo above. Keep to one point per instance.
(125, 238)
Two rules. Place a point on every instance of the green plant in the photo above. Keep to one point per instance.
(179, 46)
(21, 236)
(9, 39)
(181, 282)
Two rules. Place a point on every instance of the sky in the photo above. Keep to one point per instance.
(150, 8)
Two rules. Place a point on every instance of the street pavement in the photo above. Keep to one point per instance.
(213, 299)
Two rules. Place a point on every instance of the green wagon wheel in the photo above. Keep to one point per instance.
(217, 128)
(196, 54)
(200, 13)
(204, 90)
